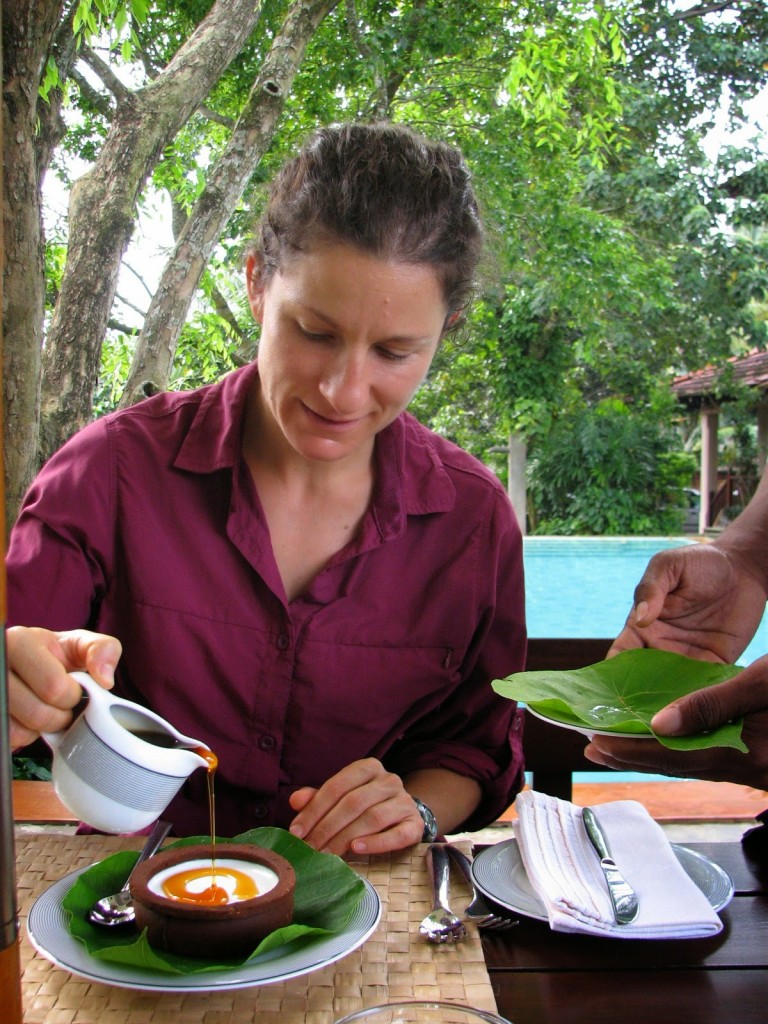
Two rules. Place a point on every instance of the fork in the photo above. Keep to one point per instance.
(480, 911)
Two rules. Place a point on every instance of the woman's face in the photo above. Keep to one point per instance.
(346, 340)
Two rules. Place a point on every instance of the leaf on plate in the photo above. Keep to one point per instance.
(623, 694)
(326, 897)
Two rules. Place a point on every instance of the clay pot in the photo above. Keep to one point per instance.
(213, 932)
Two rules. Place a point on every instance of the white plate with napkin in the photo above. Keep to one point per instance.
(552, 871)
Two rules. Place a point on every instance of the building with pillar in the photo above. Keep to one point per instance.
(707, 391)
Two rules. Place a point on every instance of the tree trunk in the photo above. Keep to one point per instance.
(251, 137)
(28, 31)
(145, 123)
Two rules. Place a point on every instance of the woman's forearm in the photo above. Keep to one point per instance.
(451, 797)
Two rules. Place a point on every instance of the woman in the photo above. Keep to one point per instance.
(299, 573)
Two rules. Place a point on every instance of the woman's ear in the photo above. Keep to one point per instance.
(451, 320)
(254, 285)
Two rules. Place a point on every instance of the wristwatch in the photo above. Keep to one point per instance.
(430, 822)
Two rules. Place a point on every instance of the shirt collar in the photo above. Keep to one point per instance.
(213, 441)
(410, 476)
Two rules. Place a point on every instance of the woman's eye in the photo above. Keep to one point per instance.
(314, 335)
(395, 357)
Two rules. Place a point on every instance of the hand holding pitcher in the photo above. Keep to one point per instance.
(118, 765)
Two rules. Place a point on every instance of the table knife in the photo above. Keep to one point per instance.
(623, 896)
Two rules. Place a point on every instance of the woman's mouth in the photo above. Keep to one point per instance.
(335, 423)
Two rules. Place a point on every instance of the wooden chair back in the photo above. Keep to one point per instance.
(553, 754)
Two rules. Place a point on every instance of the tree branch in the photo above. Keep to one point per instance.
(140, 279)
(152, 71)
(130, 305)
(702, 9)
(381, 95)
(97, 100)
(221, 306)
(117, 325)
(225, 184)
(106, 74)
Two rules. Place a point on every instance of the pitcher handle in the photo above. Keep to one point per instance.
(53, 739)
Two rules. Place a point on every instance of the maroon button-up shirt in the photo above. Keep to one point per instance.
(147, 526)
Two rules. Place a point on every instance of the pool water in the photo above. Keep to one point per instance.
(583, 586)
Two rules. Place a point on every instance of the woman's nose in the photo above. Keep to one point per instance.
(345, 385)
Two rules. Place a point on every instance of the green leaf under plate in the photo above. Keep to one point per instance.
(326, 896)
(623, 694)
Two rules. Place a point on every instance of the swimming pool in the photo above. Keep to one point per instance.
(583, 586)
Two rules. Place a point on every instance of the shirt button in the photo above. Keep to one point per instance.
(260, 811)
(283, 641)
(267, 742)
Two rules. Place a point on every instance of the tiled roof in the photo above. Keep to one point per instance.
(751, 370)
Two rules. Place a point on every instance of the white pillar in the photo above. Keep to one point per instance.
(762, 436)
(709, 463)
(518, 453)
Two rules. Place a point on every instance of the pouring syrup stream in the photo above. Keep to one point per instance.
(180, 885)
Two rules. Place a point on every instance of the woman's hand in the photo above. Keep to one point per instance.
(745, 694)
(41, 695)
(701, 601)
(363, 809)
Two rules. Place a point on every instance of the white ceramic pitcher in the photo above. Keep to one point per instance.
(118, 765)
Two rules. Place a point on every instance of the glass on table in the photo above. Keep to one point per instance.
(422, 1012)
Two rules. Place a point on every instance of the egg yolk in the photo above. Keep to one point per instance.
(180, 886)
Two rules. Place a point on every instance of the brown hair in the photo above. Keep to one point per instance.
(388, 191)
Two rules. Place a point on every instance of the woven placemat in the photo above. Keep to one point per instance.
(394, 963)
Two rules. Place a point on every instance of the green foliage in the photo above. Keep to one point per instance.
(30, 768)
(621, 276)
(458, 397)
(55, 260)
(116, 356)
(113, 21)
(620, 253)
(209, 344)
(562, 79)
(205, 353)
(608, 470)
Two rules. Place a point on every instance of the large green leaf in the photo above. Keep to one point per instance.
(623, 694)
(327, 893)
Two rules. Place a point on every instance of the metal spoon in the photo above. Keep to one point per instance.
(118, 909)
(441, 924)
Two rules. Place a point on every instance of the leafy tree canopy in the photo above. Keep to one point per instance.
(621, 252)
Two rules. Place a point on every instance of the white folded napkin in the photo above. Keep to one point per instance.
(564, 871)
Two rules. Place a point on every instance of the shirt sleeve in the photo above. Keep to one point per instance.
(60, 550)
(475, 732)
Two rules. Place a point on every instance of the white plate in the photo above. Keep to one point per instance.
(498, 872)
(50, 935)
(587, 730)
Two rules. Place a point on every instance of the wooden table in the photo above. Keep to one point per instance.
(531, 974)
(543, 977)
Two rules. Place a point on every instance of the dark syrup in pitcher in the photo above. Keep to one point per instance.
(156, 738)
